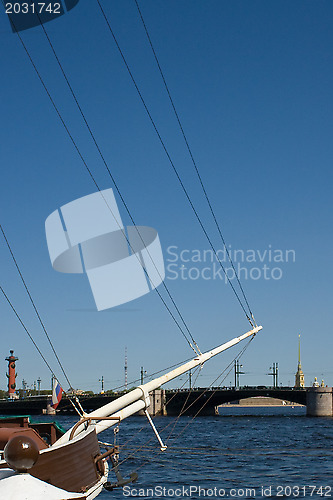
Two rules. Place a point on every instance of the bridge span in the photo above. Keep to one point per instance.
(197, 401)
(205, 401)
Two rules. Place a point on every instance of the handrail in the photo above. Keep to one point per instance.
(110, 451)
(88, 419)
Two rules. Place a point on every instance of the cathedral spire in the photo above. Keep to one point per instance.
(299, 377)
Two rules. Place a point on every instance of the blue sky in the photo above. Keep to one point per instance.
(252, 83)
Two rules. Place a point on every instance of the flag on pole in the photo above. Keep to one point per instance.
(56, 393)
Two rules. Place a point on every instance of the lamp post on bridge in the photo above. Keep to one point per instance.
(275, 374)
(101, 380)
(38, 382)
(143, 373)
(238, 371)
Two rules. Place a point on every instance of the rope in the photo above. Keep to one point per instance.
(76, 408)
(184, 404)
(172, 163)
(35, 344)
(182, 185)
(215, 390)
(144, 426)
(113, 180)
(254, 452)
(153, 374)
(26, 329)
(193, 160)
(34, 305)
(214, 381)
(98, 188)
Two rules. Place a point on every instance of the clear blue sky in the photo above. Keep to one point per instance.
(252, 82)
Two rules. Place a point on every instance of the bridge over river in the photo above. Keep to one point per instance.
(201, 401)
(205, 401)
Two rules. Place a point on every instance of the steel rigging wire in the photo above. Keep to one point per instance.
(107, 165)
(169, 158)
(132, 221)
(193, 160)
(225, 372)
(168, 155)
(35, 309)
(25, 328)
(111, 176)
(76, 403)
(97, 186)
(173, 165)
(103, 159)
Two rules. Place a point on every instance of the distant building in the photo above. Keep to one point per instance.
(299, 377)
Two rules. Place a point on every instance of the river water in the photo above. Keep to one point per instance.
(274, 452)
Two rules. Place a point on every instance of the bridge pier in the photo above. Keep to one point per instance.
(319, 402)
(157, 403)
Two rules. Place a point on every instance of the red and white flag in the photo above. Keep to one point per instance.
(56, 394)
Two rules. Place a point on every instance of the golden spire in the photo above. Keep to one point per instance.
(299, 377)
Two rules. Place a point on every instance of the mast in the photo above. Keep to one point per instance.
(138, 399)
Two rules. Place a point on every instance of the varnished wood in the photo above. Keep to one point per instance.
(72, 466)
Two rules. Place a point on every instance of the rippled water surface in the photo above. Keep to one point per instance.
(278, 449)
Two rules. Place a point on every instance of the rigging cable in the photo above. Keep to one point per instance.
(172, 163)
(98, 188)
(25, 328)
(193, 160)
(229, 366)
(215, 390)
(121, 447)
(115, 183)
(43, 327)
(34, 305)
(96, 145)
(77, 409)
(144, 426)
(154, 373)
(199, 368)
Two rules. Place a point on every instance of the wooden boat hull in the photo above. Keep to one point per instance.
(73, 467)
(14, 486)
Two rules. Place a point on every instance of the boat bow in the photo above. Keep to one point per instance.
(138, 399)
